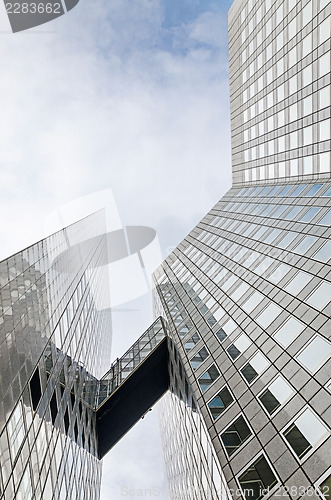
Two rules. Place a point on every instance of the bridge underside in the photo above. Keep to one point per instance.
(133, 398)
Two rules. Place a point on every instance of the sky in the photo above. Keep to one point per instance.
(131, 95)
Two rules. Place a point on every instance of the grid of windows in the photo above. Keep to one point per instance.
(280, 81)
(263, 326)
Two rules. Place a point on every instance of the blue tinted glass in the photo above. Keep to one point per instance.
(279, 211)
(326, 221)
(324, 253)
(285, 242)
(292, 213)
(274, 190)
(284, 191)
(298, 190)
(308, 216)
(264, 191)
(306, 243)
(267, 209)
(314, 190)
(327, 192)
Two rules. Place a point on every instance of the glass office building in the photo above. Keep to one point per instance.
(55, 330)
(247, 293)
(244, 340)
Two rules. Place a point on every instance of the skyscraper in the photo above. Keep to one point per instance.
(245, 348)
(247, 293)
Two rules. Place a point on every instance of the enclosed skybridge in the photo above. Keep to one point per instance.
(134, 383)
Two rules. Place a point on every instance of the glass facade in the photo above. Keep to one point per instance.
(53, 333)
(247, 293)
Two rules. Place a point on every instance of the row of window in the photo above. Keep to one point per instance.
(318, 132)
(308, 165)
(299, 51)
(301, 79)
(290, 190)
(299, 213)
(292, 113)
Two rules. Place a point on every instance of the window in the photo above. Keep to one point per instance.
(298, 190)
(16, 431)
(220, 402)
(293, 213)
(305, 433)
(313, 190)
(324, 31)
(253, 301)
(199, 358)
(308, 216)
(289, 331)
(257, 479)
(255, 367)
(305, 244)
(315, 354)
(299, 281)
(191, 342)
(279, 273)
(239, 346)
(277, 394)
(235, 435)
(269, 314)
(324, 253)
(208, 378)
(221, 335)
(326, 221)
(321, 296)
(35, 389)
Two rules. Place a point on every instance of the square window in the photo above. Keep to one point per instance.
(235, 435)
(289, 331)
(269, 314)
(324, 253)
(326, 220)
(324, 97)
(256, 365)
(305, 433)
(208, 378)
(324, 131)
(257, 479)
(308, 216)
(321, 297)
(307, 75)
(277, 394)
(199, 358)
(191, 342)
(324, 31)
(220, 403)
(254, 300)
(305, 244)
(315, 354)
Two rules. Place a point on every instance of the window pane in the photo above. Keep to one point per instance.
(221, 334)
(192, 342)
(321, 296)
(235, 435)
(257, 479)
(249, 373)
(297, 441)
(199, 358)
(208, 378)
(305, 244)
(315, 353)
(308, 216)
(324, 254)
(220, 402)
(313, 190)
(269, 401)
(289, 331)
